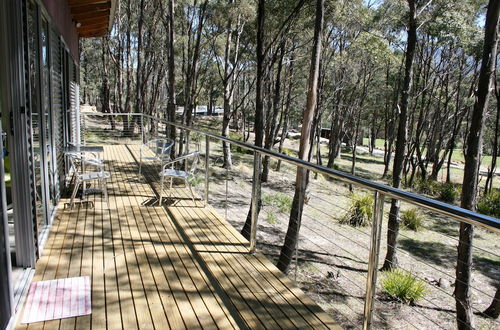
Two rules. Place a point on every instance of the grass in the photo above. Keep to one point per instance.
(281, 202)
(271, 218)
(360, 211)
(411, 219)
(402, 286)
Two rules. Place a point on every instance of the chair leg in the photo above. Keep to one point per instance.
(105, 189)
(161, 189)
(140, 166)
(191, 190)
(170, 189)
(73, 195)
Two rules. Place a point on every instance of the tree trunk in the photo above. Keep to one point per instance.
(471, 169)
(171, 71)
(493, 310)
(488, 186)
(399, 155)
(292, 234)
(259, 107)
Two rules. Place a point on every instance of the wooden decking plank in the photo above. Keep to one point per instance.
(241, 300)
(77, 252)
(113, 308)
(192, 288)
(139, 292)
(127, 307)
(215, 306)
(84, 322)
(143, 248)
(283, 284)
(239, 261)
(185, 202)
(182, 266)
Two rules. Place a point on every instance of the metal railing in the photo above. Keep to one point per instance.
(320, 231)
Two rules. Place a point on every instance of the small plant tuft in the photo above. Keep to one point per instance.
(489, 204)
(411, 219)
(281, 202)
(271, 218)
(402, 285)
(448, 193)
(360, 211)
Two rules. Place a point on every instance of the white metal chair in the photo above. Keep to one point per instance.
(188, 177)
(78, 162)
(161, 151)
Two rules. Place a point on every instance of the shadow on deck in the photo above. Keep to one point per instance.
(175, 266)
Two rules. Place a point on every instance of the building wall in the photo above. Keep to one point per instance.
(60, 14)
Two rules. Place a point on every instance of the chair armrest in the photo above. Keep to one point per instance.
(183, 157)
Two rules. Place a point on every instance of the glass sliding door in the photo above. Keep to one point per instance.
(47, 121)
(36, 118)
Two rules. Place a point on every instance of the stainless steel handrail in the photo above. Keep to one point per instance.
(461, 214)
(380, 191)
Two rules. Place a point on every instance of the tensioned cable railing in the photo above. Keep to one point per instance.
(349, 256)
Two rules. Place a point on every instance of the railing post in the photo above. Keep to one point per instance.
(257, 164)
(83, 129)
(142, 129)
(207, 166)
(371, 281)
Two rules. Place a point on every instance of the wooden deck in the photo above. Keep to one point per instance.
(177, 266)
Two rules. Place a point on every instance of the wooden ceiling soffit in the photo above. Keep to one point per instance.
(91, 8)
(78, 3)
(100, 14)
(82, 31)
(93, 18)
(94, 34)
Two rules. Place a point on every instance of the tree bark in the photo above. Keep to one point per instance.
(292, 235)
(493, 310)
(471, 169)
(399, 155)
(259, 105)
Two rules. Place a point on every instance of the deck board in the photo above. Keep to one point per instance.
(174, 266)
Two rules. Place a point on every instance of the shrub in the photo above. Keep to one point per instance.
(425, 186)
(283, 203)
(289, 152)
(360, 211)
(448, 192)
(490, 204)
(411, 219)
(402, 285)
(236, 148)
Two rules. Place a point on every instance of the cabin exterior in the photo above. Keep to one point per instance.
(39, 109)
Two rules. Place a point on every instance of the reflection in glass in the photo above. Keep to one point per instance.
(35, 113)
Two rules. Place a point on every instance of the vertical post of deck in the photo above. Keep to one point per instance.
(371, 281)
(143, 133)
(207, 166)
(257, 163)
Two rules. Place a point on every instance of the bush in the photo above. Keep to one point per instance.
(283, 203)
(360, 212)
(448, 193)
(425, 186)
(411, 219)
(238, 149)
(402, 285)
(490, 204)
(289, 152)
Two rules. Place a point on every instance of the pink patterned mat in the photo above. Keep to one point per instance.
(58, 299)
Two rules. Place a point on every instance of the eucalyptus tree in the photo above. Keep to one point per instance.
(302, 176)
(472, 163)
